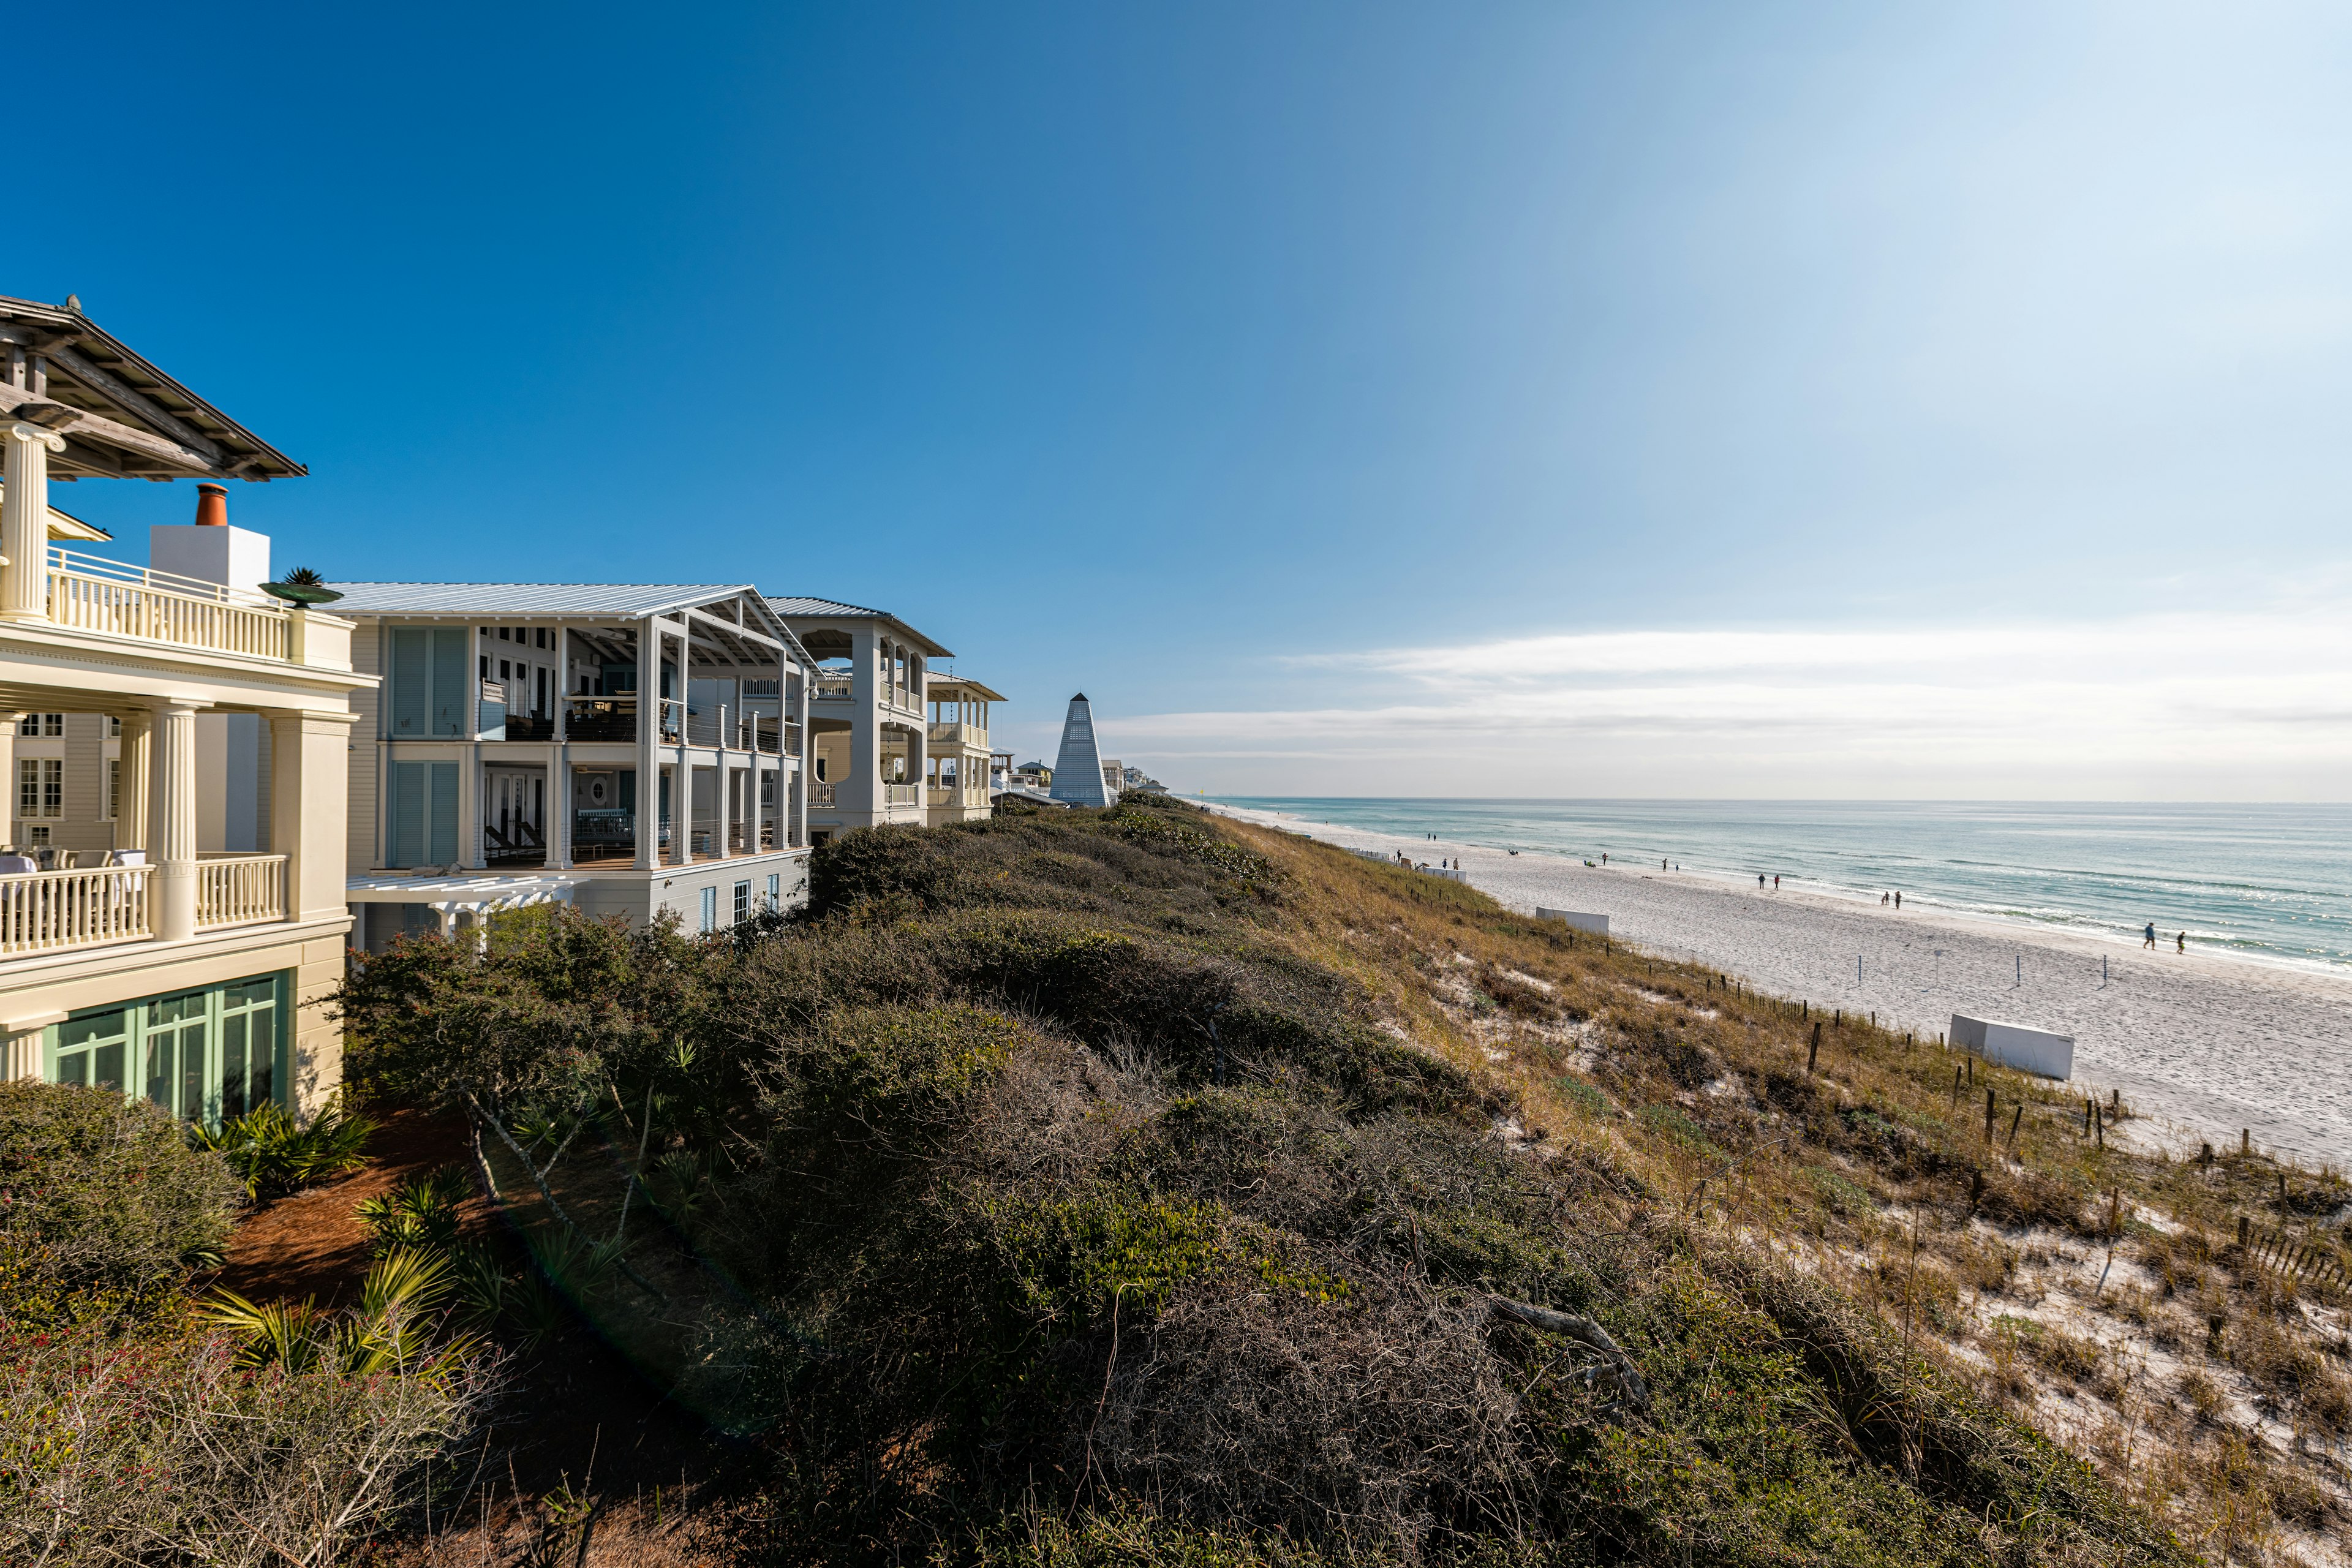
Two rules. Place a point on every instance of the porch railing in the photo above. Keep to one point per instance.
(99, 595)
(601, 718)
(50, 911)
(955, 732)
(835, 687)
(240, 890)
(822, 793)
(901, 794)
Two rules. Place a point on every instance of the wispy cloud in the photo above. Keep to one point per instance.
(2227, 706)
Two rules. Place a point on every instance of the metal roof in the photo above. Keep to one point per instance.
(833, 610)
(522, 601)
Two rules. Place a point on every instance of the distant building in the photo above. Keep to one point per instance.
(1078, 776)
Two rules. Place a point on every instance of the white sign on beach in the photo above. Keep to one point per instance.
(1597, 924)
(2016, 1045)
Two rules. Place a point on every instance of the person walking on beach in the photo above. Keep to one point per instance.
(1759, 881)
(1899, 899)
(2181, 942)
(1776, 884)
(2150, 942)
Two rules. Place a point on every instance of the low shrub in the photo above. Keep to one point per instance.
(100, 1194)
(274, 1154)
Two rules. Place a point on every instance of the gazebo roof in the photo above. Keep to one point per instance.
(121, 417)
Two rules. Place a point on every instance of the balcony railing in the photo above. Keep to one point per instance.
(49, 911)
(901, 794)
(240, 890)
(735, 730)
(954, 733)
(90, 593)
(830, 688)
(823, 794)
(601, 718)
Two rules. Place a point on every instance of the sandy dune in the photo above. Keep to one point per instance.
(2207, 1045)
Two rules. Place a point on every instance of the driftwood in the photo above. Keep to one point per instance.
(1585, 1332)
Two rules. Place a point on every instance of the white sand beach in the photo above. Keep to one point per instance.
(2203, 1046)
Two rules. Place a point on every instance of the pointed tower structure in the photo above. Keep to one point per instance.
(1078, 770)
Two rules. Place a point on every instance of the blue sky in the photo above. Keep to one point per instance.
(1707, 400)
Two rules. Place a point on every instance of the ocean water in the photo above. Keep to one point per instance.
(2265, 882)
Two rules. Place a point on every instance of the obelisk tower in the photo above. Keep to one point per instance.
(1078, 770)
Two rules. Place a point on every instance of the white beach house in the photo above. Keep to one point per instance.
(956, 782)
(631, 750)
(172, 896)
(869, 738)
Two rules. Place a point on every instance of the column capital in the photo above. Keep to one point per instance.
(171, 704)
(19, 430)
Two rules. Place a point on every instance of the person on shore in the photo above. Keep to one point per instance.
(2150, 942)
(1759, 881)
(1884, 899)
(1899, 899)
(1776, 884)
(2181, 942)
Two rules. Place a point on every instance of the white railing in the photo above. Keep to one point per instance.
(102, 595)
(830, 686)
(822, 793)
(955, 732)
(939, 794)
(900, 793)
(47, 911)
(239, 890)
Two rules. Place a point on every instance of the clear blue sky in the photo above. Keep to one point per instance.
(1351, 398)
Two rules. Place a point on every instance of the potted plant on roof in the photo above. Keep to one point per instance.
(302, 586)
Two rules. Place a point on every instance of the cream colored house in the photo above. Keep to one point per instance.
(956, 782)
(172, 913)
(869, 738)
(631, 750)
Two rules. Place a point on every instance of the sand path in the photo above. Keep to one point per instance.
(2208, 1045)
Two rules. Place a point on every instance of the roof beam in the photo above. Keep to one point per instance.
(97, 427)
(104, 382)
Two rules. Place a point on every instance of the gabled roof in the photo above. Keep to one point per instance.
(121, 416)
(793, 608)
(522, 601)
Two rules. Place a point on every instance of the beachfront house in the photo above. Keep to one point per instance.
(956, 783)
(171, 915)
(629, 750)
(869, 739)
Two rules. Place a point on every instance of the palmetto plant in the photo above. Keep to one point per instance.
(418, 1212)
(390, 1330)
(273, 1154)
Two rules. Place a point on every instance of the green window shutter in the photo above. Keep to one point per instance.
(444, 813)
(412, 683)
(451, 683)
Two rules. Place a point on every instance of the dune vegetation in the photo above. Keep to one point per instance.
(1137, 1187)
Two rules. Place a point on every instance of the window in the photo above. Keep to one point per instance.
(428, 682)
(506, 670)
(486, 667)
(41, 726)
(40, 787)
(503, 635)
(538, 636)
(114, 726)
(775, 891)
(203, 1056)
(420, 818)
(742, 901)
(113, 788)
(709, 909)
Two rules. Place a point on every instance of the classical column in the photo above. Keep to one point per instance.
(172, 817)
(648, 744)
(20, 1053)
(558, 830)
(132, 830)
(25, 518)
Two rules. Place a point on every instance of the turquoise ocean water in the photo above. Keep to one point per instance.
(2266, 882)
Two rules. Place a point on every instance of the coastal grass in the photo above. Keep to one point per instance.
(1135, 1186)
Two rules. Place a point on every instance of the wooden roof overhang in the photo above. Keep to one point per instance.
(121, 416)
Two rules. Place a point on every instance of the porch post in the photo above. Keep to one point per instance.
(558, 805)
(722, 819)
(131, 828)
(25, 518)
(172, 814)
(648, 744)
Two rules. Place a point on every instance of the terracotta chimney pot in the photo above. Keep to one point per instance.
(212, 506)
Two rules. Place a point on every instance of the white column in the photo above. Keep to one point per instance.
(559, 807)
(172, 821)
(20, 1054)
(25, 518)
(648, 744)
(721, 816)
(132, 829)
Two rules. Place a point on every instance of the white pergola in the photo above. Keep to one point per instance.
(451, 897)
